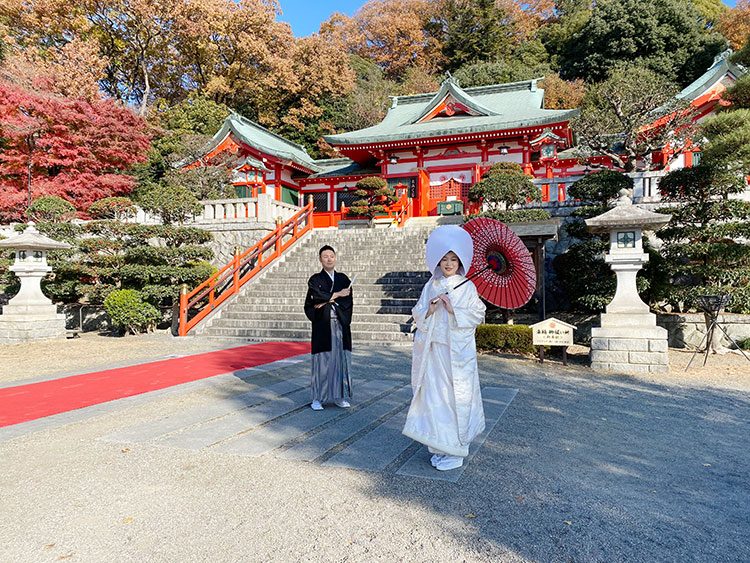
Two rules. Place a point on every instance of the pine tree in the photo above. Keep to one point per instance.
(374, 197)
(475, 31)
(706, 242)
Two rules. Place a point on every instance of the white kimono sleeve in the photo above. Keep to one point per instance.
(468, 308)
(419, 311)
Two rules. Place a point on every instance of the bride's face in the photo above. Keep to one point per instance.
(449, 264)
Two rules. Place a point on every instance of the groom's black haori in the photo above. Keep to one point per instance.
(331, 315)
(319, 290)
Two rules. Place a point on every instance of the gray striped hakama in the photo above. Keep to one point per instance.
(330, 370)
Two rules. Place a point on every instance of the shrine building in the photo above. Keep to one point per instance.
(434, 147)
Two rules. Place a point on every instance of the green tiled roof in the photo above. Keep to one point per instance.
(332, 167)
(260, 138)
(721, 66)
(502, 106)
(255, 163)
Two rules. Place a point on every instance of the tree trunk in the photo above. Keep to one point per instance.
(28, 184)
(146, 89)
(30, 145)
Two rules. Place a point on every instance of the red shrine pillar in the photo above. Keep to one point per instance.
(423, 194)
(548, 173)
(277, 178)
(485, 151)
(527, 167)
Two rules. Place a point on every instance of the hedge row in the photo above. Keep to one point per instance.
(515, 339)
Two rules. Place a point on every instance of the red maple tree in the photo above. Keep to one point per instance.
(73, 148)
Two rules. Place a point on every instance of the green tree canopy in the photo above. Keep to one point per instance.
(710, 11)
(196, 114)
(51, 208)
(600, 187)
(617, 115)
(528, 60)
(504, 184)
(705, 244)
(120, 208)
(474, 31)
(739, 93)
(665, 36)
(186, 128)
(557, 34)
(171, 202)
(374, 197)
(728, 148)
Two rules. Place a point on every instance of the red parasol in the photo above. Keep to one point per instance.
(502, 268)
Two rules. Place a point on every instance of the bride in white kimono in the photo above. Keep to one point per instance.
(446, 411)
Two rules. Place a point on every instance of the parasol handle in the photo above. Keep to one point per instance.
(475, 274)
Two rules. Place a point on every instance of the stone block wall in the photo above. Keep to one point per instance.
(228, 235)
(686, 330)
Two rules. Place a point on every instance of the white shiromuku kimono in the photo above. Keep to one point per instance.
(446, 411)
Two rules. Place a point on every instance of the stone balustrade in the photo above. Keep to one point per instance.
(645, 188)
(261, 208)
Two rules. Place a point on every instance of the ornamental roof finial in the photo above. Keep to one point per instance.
(449, 78)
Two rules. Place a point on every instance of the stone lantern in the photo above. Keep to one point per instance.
(628, 339)
(30, 315)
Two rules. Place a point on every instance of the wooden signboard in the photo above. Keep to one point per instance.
(552, 332)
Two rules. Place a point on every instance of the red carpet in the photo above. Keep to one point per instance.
(37, 400)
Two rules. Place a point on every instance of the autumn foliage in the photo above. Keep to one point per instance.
(67, 147)
(734, 24)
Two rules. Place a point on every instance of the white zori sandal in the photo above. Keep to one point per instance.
(449, 462)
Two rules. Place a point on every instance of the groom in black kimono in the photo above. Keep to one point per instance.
(329, 306)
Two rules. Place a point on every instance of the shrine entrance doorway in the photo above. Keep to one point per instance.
(452, 189)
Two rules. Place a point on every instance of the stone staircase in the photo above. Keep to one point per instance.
(390, 269)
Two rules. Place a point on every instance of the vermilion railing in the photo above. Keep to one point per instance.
(399, 212)
(246, 265)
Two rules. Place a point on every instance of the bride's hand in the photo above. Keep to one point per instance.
(447, 302)
(432, 307)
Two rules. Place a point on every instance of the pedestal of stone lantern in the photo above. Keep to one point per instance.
(30, 315)
(628, 339)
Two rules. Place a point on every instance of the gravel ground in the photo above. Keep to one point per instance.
(582, 467)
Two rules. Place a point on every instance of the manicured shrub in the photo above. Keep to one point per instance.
(129, 312)
(120, 208)
(50, 208)
(515, 339)
(374, 197)
(514, 215)
(173, 203)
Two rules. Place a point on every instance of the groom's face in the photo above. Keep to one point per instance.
(328, 260)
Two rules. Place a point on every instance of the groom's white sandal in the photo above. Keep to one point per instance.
(435, 459)
(316, 406)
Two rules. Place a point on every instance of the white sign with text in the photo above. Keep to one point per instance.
(552, 332)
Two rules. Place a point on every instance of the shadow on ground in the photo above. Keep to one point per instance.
(581, 467)
(585, 467)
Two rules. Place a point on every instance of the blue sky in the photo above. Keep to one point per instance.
(305, 16)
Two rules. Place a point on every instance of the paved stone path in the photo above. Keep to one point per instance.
(277, 419)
